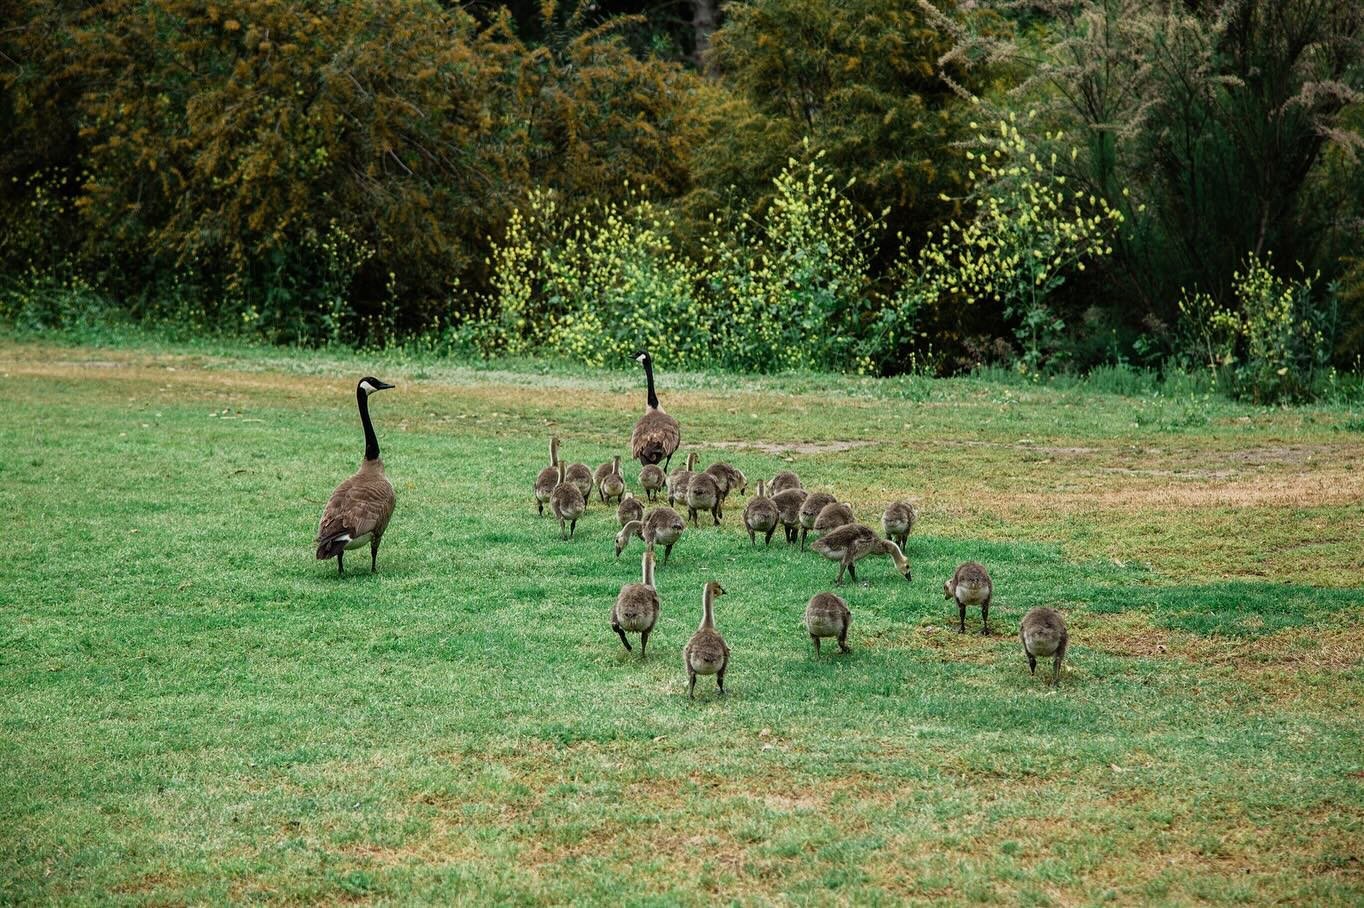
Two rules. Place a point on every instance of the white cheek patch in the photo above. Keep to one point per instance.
(639, 359)
(369, 389)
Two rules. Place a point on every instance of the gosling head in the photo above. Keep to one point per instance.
(633, 528)
(949, 590)
(901, 562)
(714, 588)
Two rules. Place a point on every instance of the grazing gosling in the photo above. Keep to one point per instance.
(581, 476)
(706, 653)
(833, 516)
(679, 479)
(788, 504)
(783, 481)
(651, 480)
(629, 509)
(898, 521)
(827, 615)
(809, 510)
(849, 544)
(760, 516)
(728, 479)
(548, 478)
(661, 526)
(971, 585)
(612, 485)
(567, 503)
(1043, 633)
(703, 495)
(636, 608)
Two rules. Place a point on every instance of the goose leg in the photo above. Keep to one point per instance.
(720, 681)
(852, 570)
(768, 540)
(643, 643)
(374, 555)
(621, 634)
(752, 538)
(843, 641)
(961, 612)
(816, 640)
(540, 508)
(562, 528)
(1055, 670)
(666, 462)
(572, 528)
(715, 513)
(340, 564)
(667, 552)
(841, 568)
(691, 517)
(1032, 664)
(985, 618)
(691, 691)
(803, 531)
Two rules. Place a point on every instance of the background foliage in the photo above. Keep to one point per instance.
(758, 185)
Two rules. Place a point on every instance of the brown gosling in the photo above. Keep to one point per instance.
(567, 503)
(849, 544)
(1043, 633)
(679, 479)
(706, 653)
(703, 495)
(971, 585)
(360, 508)
(636, 608)
(809, 510)
(580, 475)
(612, 485)
(833, 516)
(783, 481)
(760, 516)
(656, 436)
(728, 479)
(788, 505)
(548, 478)
(601, 472)
(629, 509)
(661, 526)
(651, 480)
(898, 521)
(827, 615)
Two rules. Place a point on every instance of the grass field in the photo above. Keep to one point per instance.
(195, 710)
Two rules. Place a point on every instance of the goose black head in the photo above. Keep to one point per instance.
(642, 357)
(369, 384)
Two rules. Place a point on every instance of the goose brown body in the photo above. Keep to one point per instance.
(760, 516)
(651, 480)
(809, 510)
(637, 606)
(827, 615)
(788, 510)
(971, 585)
(657, 435)
(359, 509)
(706, 653)
(548, 478)
(1043, 633)
(567, 503)
(849, 544)
(898, 521)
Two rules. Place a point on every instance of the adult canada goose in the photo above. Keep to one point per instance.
(728, 478)
(971, 585)
(706, 653)
(548, 478)
(636, 608)
(629, 509)
(610, 484)
(651, 480)
(359, 510)
(1043, 633)
(827, 615)
(661, 526)
(679, 479)
(788, 505)
(783, 481)
(567, 503)
(849, 544)
(898, 521)
(809, 510)
(703, 495)
(760, 516)
(657, 435)
(580, 475)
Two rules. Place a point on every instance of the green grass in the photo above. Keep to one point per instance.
(196, 710)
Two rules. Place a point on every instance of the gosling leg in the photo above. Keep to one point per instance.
(816, 640)
(843, 642)
(852, 570)
(1032, 664)
(720, 680)
(643, 642)
(985, 618)
(621, 634)
(961, 613)
(691, 691)
(768, 541)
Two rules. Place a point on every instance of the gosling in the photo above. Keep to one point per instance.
(898, 521)
(1043, 633)
(679, 479)
(971, 585)
(728, 479)
(827, 615)
(567, 503)
(760, 516)
(849, 544)
(661, 526)
(706, 653)
(629, 509)
(809, 510)
(783, 481)
(548, 477)
(651, 480)
(788, 504)
(611, 485)
(636, 608)
(703, 495)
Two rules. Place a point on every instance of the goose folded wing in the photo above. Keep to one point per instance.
(356, 509)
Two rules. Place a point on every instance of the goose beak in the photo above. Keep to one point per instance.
(907, 576)
(382, 386)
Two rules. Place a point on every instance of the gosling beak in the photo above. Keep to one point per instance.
(907, 576)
